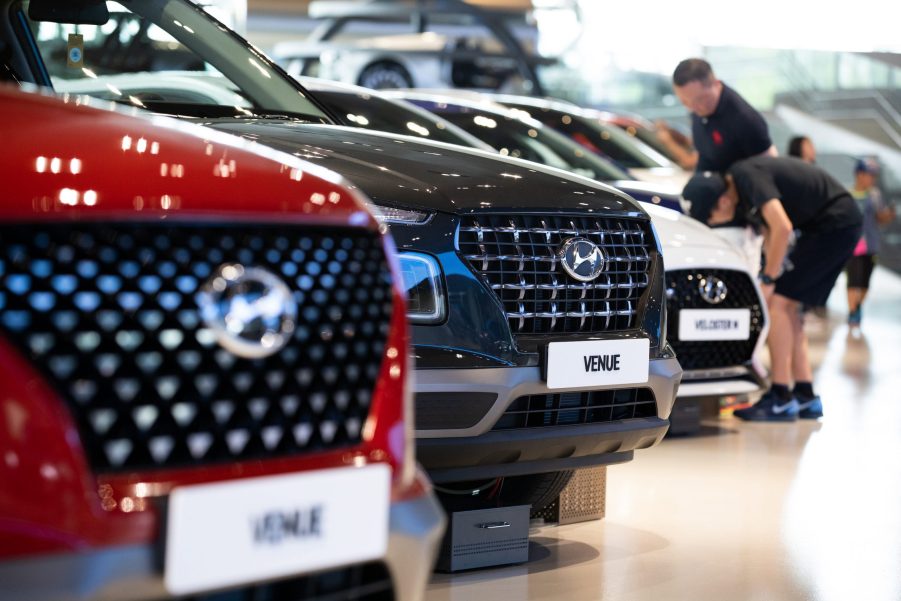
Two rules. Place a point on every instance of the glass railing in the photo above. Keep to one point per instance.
(761, 74)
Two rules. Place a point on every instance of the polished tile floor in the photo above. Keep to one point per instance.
(807, 510)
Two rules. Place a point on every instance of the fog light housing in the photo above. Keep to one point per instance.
(426, 301)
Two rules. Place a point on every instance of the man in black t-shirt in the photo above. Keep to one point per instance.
(784, 194)
(724, 127)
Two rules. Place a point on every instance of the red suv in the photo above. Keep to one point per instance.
(203, 353)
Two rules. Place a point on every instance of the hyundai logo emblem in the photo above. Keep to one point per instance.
(251, 311)
(712, 289)
(582, 259)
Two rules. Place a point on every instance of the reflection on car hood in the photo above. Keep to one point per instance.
(677, 230)
(406, 172)
(661, 189)
(647, 191)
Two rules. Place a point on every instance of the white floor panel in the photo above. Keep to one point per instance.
(806, 510)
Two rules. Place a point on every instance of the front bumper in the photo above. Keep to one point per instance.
(728, 381)
(130, 573)
(471, 450)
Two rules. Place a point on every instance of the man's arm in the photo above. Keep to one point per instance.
(687, 159)
(779, 228)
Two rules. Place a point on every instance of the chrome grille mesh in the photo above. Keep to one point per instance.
(518, 258)
(108, 315)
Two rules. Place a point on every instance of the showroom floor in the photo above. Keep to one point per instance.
(804, 510)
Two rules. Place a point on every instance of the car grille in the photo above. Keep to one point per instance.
(570, 408)
(107, 314)
(517, 257)
(682, 293)
(363, 582)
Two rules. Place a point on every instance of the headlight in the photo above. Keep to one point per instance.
(394, 215)
(425, 291)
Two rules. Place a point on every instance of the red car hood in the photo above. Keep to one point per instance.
(90, 170)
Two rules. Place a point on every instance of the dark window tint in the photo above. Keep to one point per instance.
(373, 112)
(519, 139)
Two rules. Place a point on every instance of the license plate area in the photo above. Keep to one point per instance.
(714, 324)
(583, 363)
(237, 532)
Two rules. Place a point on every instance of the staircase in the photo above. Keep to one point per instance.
(860, 92)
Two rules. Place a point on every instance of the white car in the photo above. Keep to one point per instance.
(717, 318)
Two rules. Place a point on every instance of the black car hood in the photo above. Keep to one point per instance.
(409, 173)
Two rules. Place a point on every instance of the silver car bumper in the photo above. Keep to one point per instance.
(473, 450)
(130, 573)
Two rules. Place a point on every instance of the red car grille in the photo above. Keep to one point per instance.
(108, 313)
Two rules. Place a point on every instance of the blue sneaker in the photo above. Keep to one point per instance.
(770, 408)
(810, 408)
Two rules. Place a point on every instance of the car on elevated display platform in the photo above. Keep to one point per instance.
(414, 43)
(203, 347)
(501, 331)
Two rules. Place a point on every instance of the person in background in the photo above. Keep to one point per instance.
(789, 194)
(803, 148)
(875, 213)
(724, 127)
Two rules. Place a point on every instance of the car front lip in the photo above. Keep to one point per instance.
(477, 451)
(737, 380)
(131, 573)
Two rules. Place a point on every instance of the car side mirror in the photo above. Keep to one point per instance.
(75, 12)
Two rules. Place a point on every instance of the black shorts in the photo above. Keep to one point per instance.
(816, 262)
(860, 269)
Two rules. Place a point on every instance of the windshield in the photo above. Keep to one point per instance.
(605, 140)
(373, 112)
(524, 140)
(167, 55)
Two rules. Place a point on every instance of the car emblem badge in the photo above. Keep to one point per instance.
(712, 289)
(582, 259)
(250, 310)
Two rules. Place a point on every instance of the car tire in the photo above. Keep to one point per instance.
(385, 74)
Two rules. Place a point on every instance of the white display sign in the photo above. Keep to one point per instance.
(714, 324)
(597, 363)
(230, 533)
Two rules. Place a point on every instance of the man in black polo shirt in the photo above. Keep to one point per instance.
(785, 193)
(724, 127)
